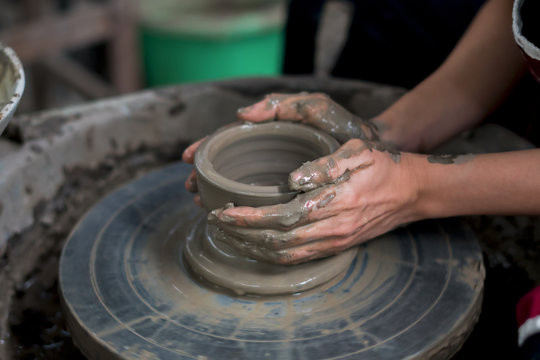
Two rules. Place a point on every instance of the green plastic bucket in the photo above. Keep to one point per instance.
(200, 41)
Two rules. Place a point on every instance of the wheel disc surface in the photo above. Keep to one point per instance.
(128, 294)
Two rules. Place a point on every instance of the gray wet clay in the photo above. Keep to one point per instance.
(249, 165)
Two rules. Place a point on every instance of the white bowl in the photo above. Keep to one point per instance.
(11, 84)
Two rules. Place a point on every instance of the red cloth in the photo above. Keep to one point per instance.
(534, 66)
(526, 29)
(528, 306)
(528, 318)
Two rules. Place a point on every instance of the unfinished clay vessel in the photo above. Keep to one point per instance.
(249, 165)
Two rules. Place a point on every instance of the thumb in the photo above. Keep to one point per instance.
(188, 155)
(258, 112)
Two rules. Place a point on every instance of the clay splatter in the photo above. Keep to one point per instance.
(450, 159)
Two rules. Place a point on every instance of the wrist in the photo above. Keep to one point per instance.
(394, 129)
(431, 182)
(412, 184)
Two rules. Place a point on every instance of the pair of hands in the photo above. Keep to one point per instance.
(357, 193)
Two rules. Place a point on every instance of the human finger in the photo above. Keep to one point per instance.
(300, 210)
(258, 112)
(298, 254)
(191, 182)
(273, 239)
(316, 250)
(197, 200)
(320, 111)
(366, 231)
(288, 107)
(332, 168)
(188, 155)
(316, 240)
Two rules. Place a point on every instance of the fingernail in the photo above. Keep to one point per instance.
(297, 175)
(301, 177)
(294, 181)
(244, 110)
(213, 215)
(301, 182)
(227, 219)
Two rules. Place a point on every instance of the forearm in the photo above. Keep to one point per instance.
(495, 184)
(473, 80)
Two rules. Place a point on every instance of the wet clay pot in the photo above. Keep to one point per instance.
(249, 165)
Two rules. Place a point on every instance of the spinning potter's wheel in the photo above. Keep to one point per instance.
(128, 294)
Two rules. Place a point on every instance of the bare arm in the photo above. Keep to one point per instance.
(497, 184)
(472, 81)
(364, 192)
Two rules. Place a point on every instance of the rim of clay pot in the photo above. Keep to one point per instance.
(216, 190)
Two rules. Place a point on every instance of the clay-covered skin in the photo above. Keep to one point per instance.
(353, 195)
(326, 170)
(314, 109)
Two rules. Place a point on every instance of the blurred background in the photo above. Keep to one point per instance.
(79, 50)
(74, 51)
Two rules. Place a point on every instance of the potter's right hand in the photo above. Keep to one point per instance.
(355, 194)
(315, 109)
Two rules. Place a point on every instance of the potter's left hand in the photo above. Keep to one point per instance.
(361, 191)
(188, 156)
(314, 109)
